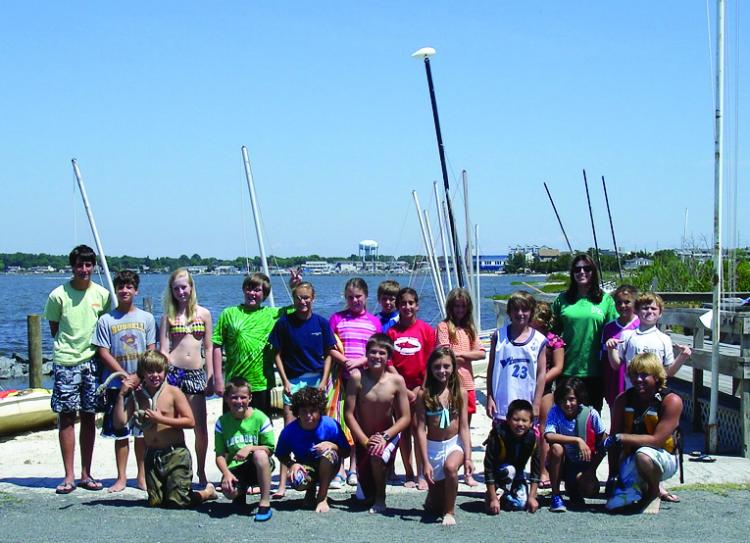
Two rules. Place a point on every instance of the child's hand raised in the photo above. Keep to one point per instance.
(612, 343)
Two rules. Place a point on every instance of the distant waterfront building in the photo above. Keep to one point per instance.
(492, 263)
(317, 267)
(197, 269)
(226, 270)
(635, 263)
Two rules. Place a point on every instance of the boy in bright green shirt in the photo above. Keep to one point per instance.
(242, 331)
(244, 443)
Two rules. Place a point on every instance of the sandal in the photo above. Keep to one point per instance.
(90, 484)
(263, 513)
(337, 483)
(65, 488)
(351, 478)
(703, 458)
(669, 497)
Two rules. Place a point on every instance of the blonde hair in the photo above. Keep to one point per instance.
(467, 322)
(647, 298)
(651, 364)
(543, 313)
(170, 304)
(151, 361)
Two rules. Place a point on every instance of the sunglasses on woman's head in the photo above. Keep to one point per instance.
(587, 269)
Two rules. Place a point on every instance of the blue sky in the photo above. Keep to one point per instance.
(156, 99)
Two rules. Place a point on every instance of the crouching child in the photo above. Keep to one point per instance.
(244, 443)
(510, 445)
(162, 412)
(312, 447)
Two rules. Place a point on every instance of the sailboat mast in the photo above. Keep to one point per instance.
(256, 218)
(95, 232)
(713, 433)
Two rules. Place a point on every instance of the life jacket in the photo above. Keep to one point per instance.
(649, 418)
(585, 427)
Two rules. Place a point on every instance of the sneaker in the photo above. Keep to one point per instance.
(558, 505)
(337, 483)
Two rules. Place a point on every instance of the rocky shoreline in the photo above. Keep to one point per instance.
(17, 366)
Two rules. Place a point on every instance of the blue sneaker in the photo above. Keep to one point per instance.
(263, 514)
(558, 505)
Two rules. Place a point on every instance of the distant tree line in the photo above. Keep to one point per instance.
(29, 260)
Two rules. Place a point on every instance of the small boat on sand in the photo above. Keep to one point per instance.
(24, 410)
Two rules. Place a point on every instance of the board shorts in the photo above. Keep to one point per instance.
(188, 381)
(302, 381)
(665, 461)
(74, 388)
(108, 423)
(364, 466)
(169, 476)
(247, 474)
(310, 472)
(439, 451)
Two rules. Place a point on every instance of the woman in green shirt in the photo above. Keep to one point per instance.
(580, 315)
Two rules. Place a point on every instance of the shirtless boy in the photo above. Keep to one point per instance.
(376, 411)
(165, 414)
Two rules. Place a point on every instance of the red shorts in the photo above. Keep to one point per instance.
(471, 401)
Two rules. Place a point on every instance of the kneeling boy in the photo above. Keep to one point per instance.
(163, 412)
(312, 447)
(509, 446)
(376, 410)
(244, 444)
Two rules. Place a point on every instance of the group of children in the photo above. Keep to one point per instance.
(357, 386)
(525, 365)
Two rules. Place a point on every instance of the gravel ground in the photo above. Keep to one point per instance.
(43, 516)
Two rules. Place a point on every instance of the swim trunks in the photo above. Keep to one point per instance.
(169, 475)
(312, 469)
(364, 466)
(74, 388)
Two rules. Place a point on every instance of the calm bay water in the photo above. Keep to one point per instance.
(22, 295)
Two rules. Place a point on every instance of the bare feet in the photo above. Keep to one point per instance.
(470, 481)
(141, 484)
(251, 491)
(209, 493)
(202, 479)
(410, 482)
(449, 520)
(280, 493)
(377, 509)
(652, 508)
(322, 506)
(422, 484)
(119, 486)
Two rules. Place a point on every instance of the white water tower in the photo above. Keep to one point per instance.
(368, 250)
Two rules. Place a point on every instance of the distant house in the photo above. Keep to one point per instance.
(226, 270)
(635, 263)
(197, 269)
(316, 267)
(531, 252)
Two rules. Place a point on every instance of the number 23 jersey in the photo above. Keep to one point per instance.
(514, 372)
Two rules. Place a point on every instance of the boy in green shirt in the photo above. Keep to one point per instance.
(244, 444)
(72, 310)
(242, 331)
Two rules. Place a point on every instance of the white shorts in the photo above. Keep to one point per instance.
(666, 462)
(439, 451)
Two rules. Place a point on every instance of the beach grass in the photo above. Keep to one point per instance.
(720, 489)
